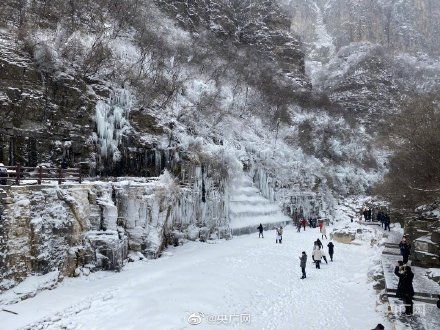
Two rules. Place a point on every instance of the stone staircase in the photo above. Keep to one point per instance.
(248, 208)
(426, 290)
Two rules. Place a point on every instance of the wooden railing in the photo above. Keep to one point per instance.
(19, 173)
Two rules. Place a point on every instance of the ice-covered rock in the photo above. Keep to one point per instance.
(66, 228)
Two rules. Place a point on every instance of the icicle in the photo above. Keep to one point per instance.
(111, 121)
(158, 162)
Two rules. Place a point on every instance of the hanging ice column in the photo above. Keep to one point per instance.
(264, 183)
(112, 122)
(294, 199)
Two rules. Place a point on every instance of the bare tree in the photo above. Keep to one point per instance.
(414, 175)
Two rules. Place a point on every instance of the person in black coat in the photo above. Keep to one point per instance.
(397, 270)
(365, 213)
(260, 231)
(318, 243)
(330, 250)
(386, 221)
(64, 164)
(405, 249)
(380, 218)
(303, 263)
(406, 284)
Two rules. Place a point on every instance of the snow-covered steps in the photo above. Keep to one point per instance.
(248, 208)
(252, 229)
(425, 289)
(241, 210)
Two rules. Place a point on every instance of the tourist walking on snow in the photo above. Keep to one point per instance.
(279, 233)
(260, 231)
(380, 218)
(317, 255)
(298, 226)
(406, 277)
(303, 263)
(386, 221)
(315, 246)
(304, 222)
(405, 249)
(330, 250)
(323, 231)
(399, 270)
(318, 243)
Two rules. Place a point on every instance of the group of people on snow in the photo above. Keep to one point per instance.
(301, 223)
(384, 220)
(312, 222)
(381, 216)
(317, 255)
(402, 270)
(278, 231)
(368, 214)
(405, 289)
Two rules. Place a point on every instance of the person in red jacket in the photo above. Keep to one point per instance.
(303, 223)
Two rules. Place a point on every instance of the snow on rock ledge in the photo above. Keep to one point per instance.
(74, 229)
(345, 235)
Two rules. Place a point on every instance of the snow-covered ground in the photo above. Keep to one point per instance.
(228, 281)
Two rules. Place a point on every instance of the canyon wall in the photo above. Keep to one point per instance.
(76, 229)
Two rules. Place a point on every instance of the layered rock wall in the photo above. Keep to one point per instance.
(76, 229)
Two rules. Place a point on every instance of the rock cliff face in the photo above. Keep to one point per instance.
(50, 115)
(369, 56)
(76, 229)
(39, 110)
(110, 113)
(261, 24)
(409, 26)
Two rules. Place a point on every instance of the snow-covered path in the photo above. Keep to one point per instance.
(245, 275)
